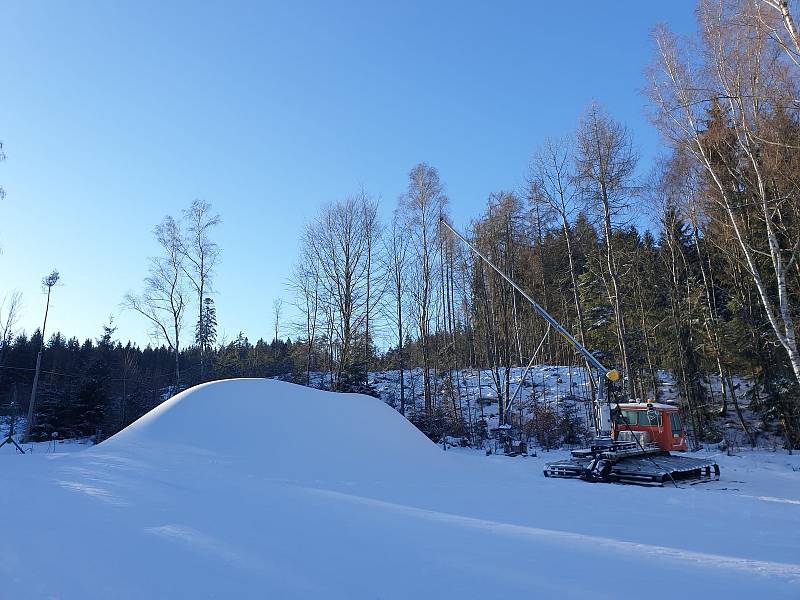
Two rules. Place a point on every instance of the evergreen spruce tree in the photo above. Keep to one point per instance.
(206, 330)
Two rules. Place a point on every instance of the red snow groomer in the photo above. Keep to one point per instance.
(652, 423)
(633, 440)
(638, 450)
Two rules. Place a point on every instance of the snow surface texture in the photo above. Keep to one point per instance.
(264, 489)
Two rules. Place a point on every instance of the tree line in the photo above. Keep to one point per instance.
(692, 269)
(709, 288)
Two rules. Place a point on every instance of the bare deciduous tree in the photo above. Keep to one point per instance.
(396, 257)
(201, 254)
(372, 231)
(741, 78)
(421, 207)
(552, 182)
(605, 168)
(164, 299)
(305, 285)
(10, 309)
(339, 243)
(792, 47)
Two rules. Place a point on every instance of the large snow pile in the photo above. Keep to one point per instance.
(262, 489)
(281, 430)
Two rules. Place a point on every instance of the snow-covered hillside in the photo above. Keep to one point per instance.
(563, 391)
(264, 489)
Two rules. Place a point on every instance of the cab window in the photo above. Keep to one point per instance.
(643, 418)
(675, 424)
(650, 418)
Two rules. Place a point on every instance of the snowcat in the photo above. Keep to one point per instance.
(633, 440)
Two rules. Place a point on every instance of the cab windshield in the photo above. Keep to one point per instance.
(643, 418)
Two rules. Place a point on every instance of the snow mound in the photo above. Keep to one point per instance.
(281, 429)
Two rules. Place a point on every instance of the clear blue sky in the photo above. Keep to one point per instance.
(114, 114)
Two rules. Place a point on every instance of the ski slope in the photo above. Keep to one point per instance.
(265, 489)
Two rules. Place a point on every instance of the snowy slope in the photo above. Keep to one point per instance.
(561, 388)
(264, 489)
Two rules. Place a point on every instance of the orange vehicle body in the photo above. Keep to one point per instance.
(661, 421)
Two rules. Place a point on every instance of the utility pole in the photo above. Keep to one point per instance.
(47, 282)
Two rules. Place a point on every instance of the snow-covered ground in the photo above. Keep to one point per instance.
(264, 489)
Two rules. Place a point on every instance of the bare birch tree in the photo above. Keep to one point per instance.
(423, 203)
(164, 299)
(785, 26)
(741, 75)
(201, 255)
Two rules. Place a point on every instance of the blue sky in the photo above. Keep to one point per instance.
(114, 114)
